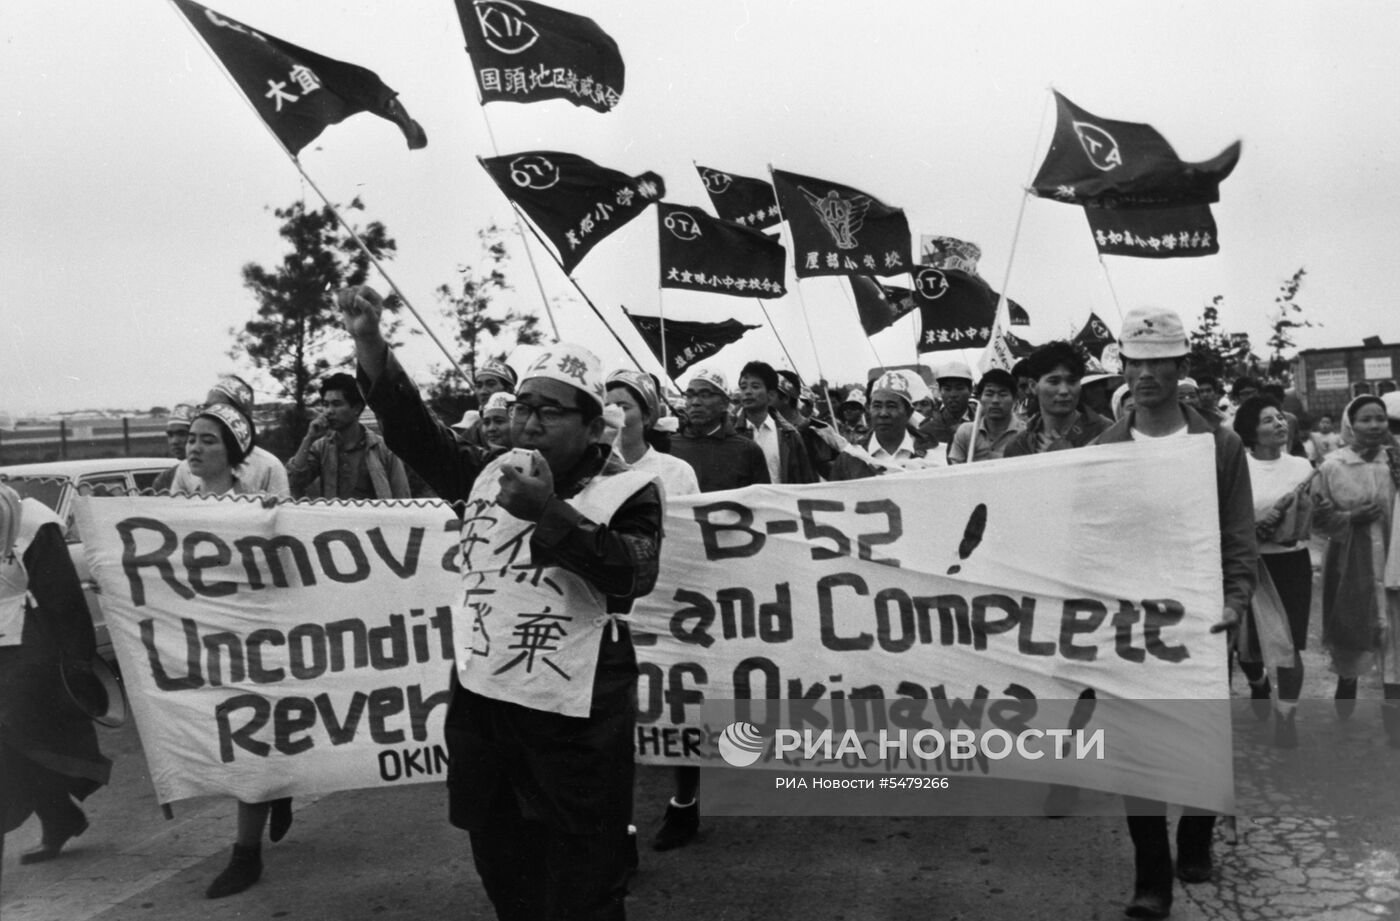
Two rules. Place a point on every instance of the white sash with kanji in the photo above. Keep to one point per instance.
(530, 634)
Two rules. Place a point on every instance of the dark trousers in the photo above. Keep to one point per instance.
(1152, 853)
(533, 872)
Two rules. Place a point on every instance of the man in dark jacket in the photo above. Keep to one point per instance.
(543, 712)
(721, 458)
(779, 439)
(1154, 350)
(822, 442)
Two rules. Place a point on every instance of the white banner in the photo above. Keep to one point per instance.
(981, 588)
(278, 651)
(307, 648)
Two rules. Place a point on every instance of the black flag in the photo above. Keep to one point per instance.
(1113, 163)
(687, 341)
(838, 230)
(1019, 317)
(574, 202)
(1095, 335)
(702, 253)
(526, 52)
(879, 306)
(1156, 233)
(745, 201)
(297, 92)
(956, 308)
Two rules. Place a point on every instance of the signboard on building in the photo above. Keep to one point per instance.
(1379, 369)
(1331, 378)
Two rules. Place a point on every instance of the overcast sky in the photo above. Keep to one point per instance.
(138, 181)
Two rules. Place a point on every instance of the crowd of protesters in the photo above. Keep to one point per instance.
(545, 787)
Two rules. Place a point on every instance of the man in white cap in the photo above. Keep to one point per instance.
(852, 426)
(1154, 350)
(722, 458)
(543, 709)
(177, 434)
(954, 380)
(893, 444)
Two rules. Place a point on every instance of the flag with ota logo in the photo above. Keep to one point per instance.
(573, 201)
(838, 230)
(1114, 163)
(528, 52)
(747, 202)
(702, 253)
(687, 341)
(297, 92)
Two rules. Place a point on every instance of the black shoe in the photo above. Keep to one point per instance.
(1285, 730)
(52, 843)
(281, 819)
(243, 870)
(1149, 904)
(678, 827)
(1194, 868)
(1345, 697)
(1259, 698)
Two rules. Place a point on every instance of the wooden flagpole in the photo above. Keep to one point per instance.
(354, 235)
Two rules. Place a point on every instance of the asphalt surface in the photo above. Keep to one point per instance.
(391, 853)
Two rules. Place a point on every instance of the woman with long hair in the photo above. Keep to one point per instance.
(1355, 498)
(221, 437)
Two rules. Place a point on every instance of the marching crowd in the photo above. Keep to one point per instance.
(585, 459)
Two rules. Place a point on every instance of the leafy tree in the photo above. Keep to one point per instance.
(1216, 353)
(479, 322)
(296, 320)
(1287, 317)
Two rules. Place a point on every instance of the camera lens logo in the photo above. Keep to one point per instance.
(741, 744)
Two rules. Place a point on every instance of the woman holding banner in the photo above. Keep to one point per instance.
(221, 437)
(644, 448)
(1355, 496)
(48, 748)
(1275, 628)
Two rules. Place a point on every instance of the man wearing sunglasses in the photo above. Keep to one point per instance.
(558, 537)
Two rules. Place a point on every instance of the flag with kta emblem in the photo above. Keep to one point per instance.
(527, 52)
(745, 201)
(1116, 163)
(702, 253)
(573, 201)
(296, 92)
(687, 341)
(838, 230)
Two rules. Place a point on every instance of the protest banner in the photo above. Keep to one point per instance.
(269, 652)
(982, 591)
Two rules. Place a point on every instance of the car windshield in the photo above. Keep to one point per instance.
(47, 490)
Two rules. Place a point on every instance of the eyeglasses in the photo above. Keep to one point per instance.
(548, 415)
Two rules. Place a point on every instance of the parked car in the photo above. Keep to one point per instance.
(57, 483)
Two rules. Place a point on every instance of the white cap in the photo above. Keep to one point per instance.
(953, 370)
(570, 364)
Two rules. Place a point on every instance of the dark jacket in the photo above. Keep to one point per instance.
(1088, 425)
(1234, 497)
(794, 466)
(722, 459)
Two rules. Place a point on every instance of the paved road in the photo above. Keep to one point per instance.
(391, 854)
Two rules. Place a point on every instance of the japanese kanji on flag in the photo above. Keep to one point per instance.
(956, 306)
(1154, 233)
(527, 52)
(702, 253)
(573, 201)
(687, 341)
(297, 92)
(838, 230)
(745, 201)
(1113, 163)
(879, 305)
